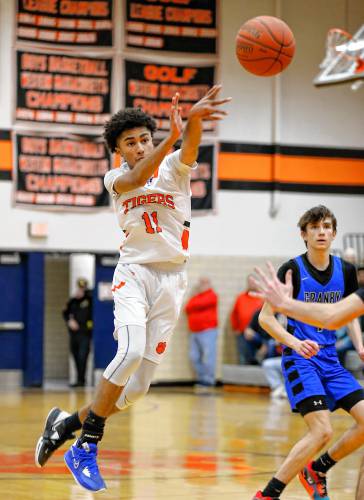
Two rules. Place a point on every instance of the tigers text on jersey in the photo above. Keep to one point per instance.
(155, 218)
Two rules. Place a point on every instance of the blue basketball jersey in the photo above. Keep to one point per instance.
(312, 291)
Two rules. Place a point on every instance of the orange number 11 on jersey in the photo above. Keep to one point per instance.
(148, 219)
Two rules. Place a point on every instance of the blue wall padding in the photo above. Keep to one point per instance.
(103, 318)
(12, 309)
(34, 322)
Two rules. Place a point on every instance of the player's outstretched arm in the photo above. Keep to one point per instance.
(145, 168)
(330, 316)
(207, 108)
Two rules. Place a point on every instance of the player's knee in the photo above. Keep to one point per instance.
(137, 393)
(123, 366)
(323, 434)
(134, 392)
(327, 435)
(134, 357)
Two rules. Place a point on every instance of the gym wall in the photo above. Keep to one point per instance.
(294, 113)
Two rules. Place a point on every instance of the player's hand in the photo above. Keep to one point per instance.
(175, 118)
(360, 352)
(270, 289)
(208, 108)
(306, 348)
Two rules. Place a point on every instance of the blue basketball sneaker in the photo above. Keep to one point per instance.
(81, 461)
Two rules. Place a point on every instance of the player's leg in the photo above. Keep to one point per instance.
(81, 457)
(319, 433)
(61, 426)
(131, 305)
(345, 392)
(315, 472)
(137, 385)
(353, 438)
(307, 395)
(166, 296)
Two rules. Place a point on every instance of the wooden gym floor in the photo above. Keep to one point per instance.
(175, 444)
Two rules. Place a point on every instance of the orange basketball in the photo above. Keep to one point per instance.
(265, 45)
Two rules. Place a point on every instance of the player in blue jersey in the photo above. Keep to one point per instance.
(316, 383)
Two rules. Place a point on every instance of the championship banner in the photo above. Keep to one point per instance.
(65, 22)
(172, 25)
(58, 88)
(151, 87)
(60, 171)
(203, 180)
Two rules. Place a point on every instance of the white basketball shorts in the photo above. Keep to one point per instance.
(150, 298)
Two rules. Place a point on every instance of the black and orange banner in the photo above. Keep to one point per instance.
(173, 25)
(203, 180)
(151, 87)
(291, 168)
(58, 88)
(262, 167)
(60, 171)
(66, 22)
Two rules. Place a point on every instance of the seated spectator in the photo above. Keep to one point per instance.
(201, 312)
(255, 342)
(345, 334)
(244, 308)
(272, 366)
(343, 344)
(350, 255)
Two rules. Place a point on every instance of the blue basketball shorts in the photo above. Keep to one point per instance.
(320, 382)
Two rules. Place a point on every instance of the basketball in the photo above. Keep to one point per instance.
(265, 45)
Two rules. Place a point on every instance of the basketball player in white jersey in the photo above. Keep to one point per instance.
(152, 200)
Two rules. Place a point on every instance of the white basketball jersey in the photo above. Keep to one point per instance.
(155, 218)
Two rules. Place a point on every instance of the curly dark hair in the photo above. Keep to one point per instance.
(126, 119)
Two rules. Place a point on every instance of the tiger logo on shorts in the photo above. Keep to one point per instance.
(161, 347)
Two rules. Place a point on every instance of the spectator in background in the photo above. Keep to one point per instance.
(272, 366)
(344, 342)
(78, 317)
(244, 308)
(201, 310)
(256, 343)
(360, 275)
(350, 255)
